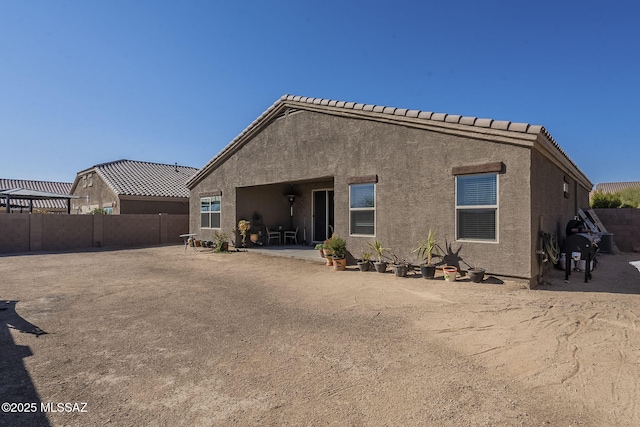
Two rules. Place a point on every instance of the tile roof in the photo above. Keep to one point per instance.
(135, 178)
(437, 121)
(46, 186)
(614, 187)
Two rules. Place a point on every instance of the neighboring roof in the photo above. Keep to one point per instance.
(135, 178)
(498, 130)
(614, 187)
(26, 194)
(20, 187)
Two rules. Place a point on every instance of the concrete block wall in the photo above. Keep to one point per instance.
(40, 232)
(625, 226)
(14, 233)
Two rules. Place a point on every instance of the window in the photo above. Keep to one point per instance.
(362, 209)
(210, 212)
(108, 210)
(477, 207)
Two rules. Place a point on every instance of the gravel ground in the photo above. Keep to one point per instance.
(162, 337)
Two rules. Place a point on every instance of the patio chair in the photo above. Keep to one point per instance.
(272, 235)
(291, 235)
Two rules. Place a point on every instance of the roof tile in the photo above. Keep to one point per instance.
(500, 124)
(466, 120)
(519, 127)
(134, 178)
(483, 123)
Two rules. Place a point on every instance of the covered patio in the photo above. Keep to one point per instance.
(30, 195)
(302, 207)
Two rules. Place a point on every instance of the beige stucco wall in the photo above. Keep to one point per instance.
(551, 210)
(173, 206)
(415, 190)
(100, 195)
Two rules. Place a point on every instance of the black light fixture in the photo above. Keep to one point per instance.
(292, 199)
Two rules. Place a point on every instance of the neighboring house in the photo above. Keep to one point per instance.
(487, 188)
(614, 187)
(132, 187)
(23, 204)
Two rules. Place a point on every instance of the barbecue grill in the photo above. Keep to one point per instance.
(580, 246)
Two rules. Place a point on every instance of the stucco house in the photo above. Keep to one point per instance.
(132, 187)
(488, 188)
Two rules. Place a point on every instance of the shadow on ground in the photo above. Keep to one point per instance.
(16, 386)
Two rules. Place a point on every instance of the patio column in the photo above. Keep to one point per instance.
(8, 206)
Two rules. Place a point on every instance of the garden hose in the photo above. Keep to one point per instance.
(551, 247)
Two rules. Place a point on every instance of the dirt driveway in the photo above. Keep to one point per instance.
(162, 337)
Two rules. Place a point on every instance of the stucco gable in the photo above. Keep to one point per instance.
(533, 136)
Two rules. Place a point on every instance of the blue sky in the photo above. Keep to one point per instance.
(87, 82)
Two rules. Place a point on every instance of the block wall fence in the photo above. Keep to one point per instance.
(625, 226)
(42, 232)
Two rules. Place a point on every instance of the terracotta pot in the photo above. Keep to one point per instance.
(339, 264)
(328, 257)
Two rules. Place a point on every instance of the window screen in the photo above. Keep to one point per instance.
(362, 209)
(477, 206)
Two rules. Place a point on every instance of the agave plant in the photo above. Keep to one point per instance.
(427, 249)
(378, 249)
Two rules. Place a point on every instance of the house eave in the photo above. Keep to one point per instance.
(521, 134)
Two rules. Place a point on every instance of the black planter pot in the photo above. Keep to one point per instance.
(400, 270)
(476, 274)
(364, 265)
(428, 271)
(381, 267)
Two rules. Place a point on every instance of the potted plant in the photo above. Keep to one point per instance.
(378, 249)
(256, 225)
(399, 266)
(243, 227)
(320, 248)
(476, 274)
(326, 249)
(426, 250)
(222, 245)
(450, 273)
(338, 248)
(365, 262)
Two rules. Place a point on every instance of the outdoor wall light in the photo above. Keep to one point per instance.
(292, 199)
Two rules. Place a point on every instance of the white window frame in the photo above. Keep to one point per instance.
(209, 212)
(495, 207)
(367, 209)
